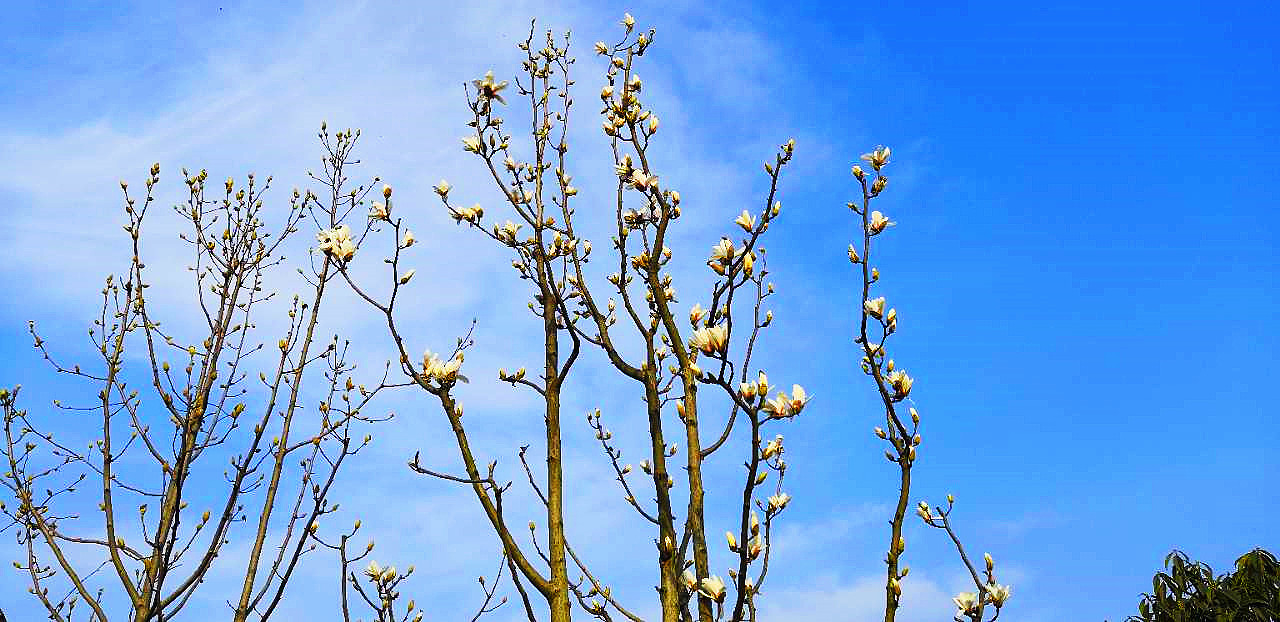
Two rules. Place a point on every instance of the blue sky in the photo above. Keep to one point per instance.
(1085, 263)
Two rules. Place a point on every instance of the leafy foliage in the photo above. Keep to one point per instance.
(1188, 592)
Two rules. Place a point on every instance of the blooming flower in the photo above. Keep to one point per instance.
(507, 233)
(433, 367)
(722, 255)
(601, 48)
(779, 501)
(712, 587)
(901, 382)
(408, 239)
(710, 340)
(696, 313)
(472, 144)
(999, 593)
(624, 169)
(443, 188)
(877, 158)
(689, 579)
(779, 406)
(798, 399)
(488, 89)
(337, 242)
(772, 448)
(642, 181)
(746, 221)
(878, 222)
(966, 602)
(378, 211)
(874, 307)
(373, 570)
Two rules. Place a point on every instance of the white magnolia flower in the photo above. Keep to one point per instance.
(878, 222)
(433, 367)
(779, 501)
(999, 593)
(901, 382)
(966, 602)
(711, 340)
(642, 181)
(712, 587)
(337, 242)
(875, 307)
(488, 89)
(624, 169)
(689, 579)
(408, 239)
(443, 188)
(378, 211)
(508, 232)
(779, 406)
(723, 251)
(878, 158)
(696, 314)
(472, 144)
(798, 399)
(746, 221)
(470, 214)
(373, 570)
(772, 448)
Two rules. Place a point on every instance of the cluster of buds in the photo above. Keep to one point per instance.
(749, 390)
(518, 375)
(379, 574)
(444, 371)
(471, 214)
(755, 547)
(668, 292)
(337, 242)
(561, 245)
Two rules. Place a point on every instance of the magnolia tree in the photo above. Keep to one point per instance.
(704, 396)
